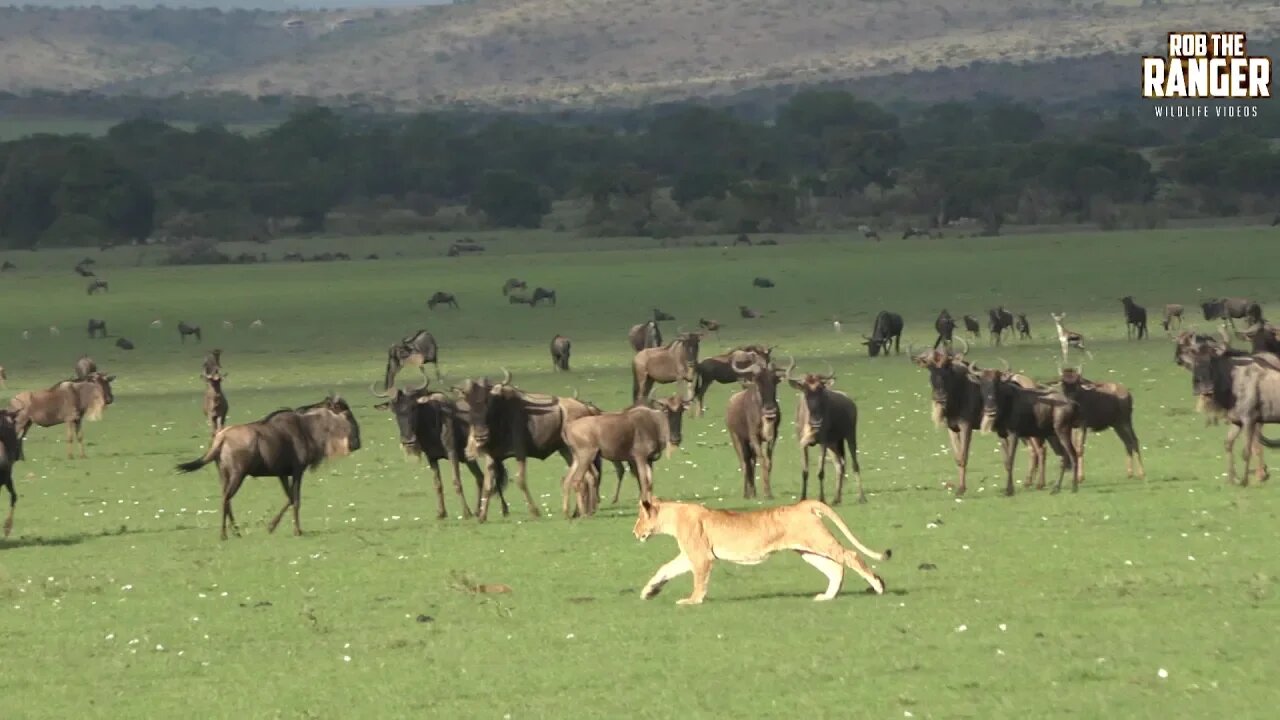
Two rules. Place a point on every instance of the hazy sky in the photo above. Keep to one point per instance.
(230, 4)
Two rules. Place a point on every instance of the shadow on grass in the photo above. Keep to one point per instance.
(844, 595)
(40, 541)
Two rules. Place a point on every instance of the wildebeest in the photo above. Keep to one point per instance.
(442, 298)
(886, 330)
(540, 294)
(762, 282)
(869, 233)
(1230, 309)
(97, 328)
(4, 378)
(751, 417)
(659, 316)
(184, 330)
(972, 326)
(747, 313)
(415, 350)
(956, 401)
(709, 325)
(513, 284)
(644, 335)
(85, 366)
(97, 285)
(1016, 408)
(7, 266)
(637, 436)
(69, 402)
(1098, 406)
(284, 444)
(829, 419)
(212, 362)
(671, 363)
(1172, 311)
(725, 368)
(560, 346)
(10, 453)
(946, 327)
(124, 344)
(742, 239)
(434, 426)
(293, 256)
(1264, 338)
(514, 299)
(82, 271)
(1023, 326)
(1135, 318)
(215, 401)
(998, 320)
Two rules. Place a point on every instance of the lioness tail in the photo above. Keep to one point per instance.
(825, 511)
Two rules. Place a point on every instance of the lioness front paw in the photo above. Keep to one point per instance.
(689, 601)
(821, 597)
(648, 592)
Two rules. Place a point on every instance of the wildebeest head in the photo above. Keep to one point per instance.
(477, 394)
(875, 345)
(673, 410)
(403, 406)
(814, 388)
(104, 384)
(341, 431)
(691, 341)
(1072, 380)
(765, 378)
(1212, 308)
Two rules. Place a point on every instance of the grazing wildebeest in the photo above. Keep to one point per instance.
(998, 320)
(742, 239)
(747, 313)
(540, 294)
(7, 266)
(972, 326)
(415, 350)
(69, 402)
(672, 363)
(97, 328)
(434, 426)
(637, 436)
(709, 325)
(1068, 338)
(82, 271)
(85, 366)
(1135, 318)
(659, 316)
(722, 369)
(1016, 408)
(956, 405)
(442, 298)
(184, 330)
(284, 444)
(514, 299)
(829, 419)
(1023, 326)
(751, 417)
(644, 335)
(10, 453)
(886, 330)
(97, 285)
(560, 346)
(1230, 309)
(124, 344)
(1097, 406)
(946, 327)
(1172, 311)
(762, 282)
(215, 401)
(212, 362)
(513, 284)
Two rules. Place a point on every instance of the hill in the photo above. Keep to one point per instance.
(585, 52)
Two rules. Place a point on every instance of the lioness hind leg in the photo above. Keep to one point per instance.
(854, 561)
(832, 569)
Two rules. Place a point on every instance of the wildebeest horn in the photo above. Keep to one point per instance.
(740, 370)
(831, 373)
(372, 385)
(506, 377)
(965, 351)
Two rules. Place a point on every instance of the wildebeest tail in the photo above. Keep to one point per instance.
(1268, 442)
(500, 477)
(198, 463)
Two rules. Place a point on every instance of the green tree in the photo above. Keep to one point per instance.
(510, 200)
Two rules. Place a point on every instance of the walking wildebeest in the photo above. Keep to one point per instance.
(540, 294)
(1023, 326)
(886, 330)
(97, 328)
(184, 330)
(762, 282)
(82, 271)
(645, 335)
(946, 327)
(956, 405)
(560, 346)
(1264, 338)
(415, 350)
(1016, 408)
(85, 366)
(638, 436)
(97, 285)
(1135, 318)
(742, 239)
(10, 453)
(513, 284)
(442, 298)
(434, 426)
(212, 362)
(659, 316)
(1172, 311)
(672, 363)
(747, 313)
(998, 320)
(1230, 309)
(1097, 406)
(972, 326)
(829, 419)
(215, 401)
(69, 402)
(124, 344)
(721, 369)
(751, 417)
(284, 444)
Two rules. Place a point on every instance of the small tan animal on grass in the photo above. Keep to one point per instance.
(749, 538)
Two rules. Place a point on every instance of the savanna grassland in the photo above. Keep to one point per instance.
(118, 600)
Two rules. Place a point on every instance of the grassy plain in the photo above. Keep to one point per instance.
(118, 600)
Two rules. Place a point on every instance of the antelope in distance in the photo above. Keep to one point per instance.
(513, 284)
(972, 326)
(184, 330)
(69, 402)
(829, 419)
(1023, 326)
(442, 298)
(97, 285)
(85, 366)
(540, 294)
(673, 363)
(560, 347)
(1135, 318)
(416, 350)
(1068, 338)
(215, 401)
(1172, 311)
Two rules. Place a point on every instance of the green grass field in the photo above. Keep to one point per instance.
(118, 600)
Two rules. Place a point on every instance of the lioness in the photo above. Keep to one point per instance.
(748, 538)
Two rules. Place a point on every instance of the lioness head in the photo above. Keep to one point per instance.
(647, 521)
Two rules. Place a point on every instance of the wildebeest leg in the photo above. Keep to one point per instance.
(804, 472)
(962, 457)
(457, 487)
(1035, 446)
(621, 474)
(954, 437)
(897, 344)
(297, 503)
(838, 451)
(747, 461)
(822, 472)
(1068, 447)
(230, 486)
(288, 502)
(1065, 460)
(482, 505)
(1257, 449)
(1008, 447)
(441, 512)
(1233, 431)
(572, 484)
(1084, 433)
(857, 469)
(646, 478)
(6, 480)
(765, 452)
(1132, 449)
(523, 464)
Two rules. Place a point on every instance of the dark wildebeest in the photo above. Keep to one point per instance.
(442, 298)
(1230, 309)
(709, 325)
(1135, 318)
(4, 378)
(998, 320)
(7, 266)
(972, 326)
(1172, 311)
(724, 368)
(124, 344)
(513, 284)
(1023, 326)
(184, 330)
(540, 294)
(97, 285)
(672, 363)
(645, 335)
(946, 327)
(97, 328)
(659, 316)
(284, 444)
(434, 426)
(560, 346)
(69, 402)
(886, 330)
(212, 362)
(82, 271)
(956, 400)
(415, 350)
(742, 239)
(507, 422)
(1264, 338)
(1097, 406)
(85, 366)
(1016, 408)
(829, 419)
(762, 282)
(519, 300)
(747, 313)
(637, 436)
(751, 417)
(10, 453)
(215, 401)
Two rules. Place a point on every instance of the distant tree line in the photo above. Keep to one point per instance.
(827, 160)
